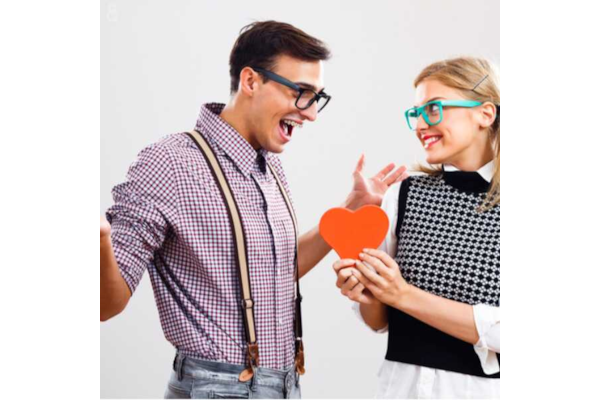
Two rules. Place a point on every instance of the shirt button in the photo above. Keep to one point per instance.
(280, 321)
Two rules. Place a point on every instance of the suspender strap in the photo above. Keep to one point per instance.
(299, 358)
(252, 356)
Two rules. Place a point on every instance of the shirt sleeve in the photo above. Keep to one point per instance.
(390, 206)
(140, 217)
(390, 243)
(487, 321)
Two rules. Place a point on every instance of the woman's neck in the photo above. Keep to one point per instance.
(472, 160)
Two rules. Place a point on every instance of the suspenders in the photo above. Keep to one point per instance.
(247, 305)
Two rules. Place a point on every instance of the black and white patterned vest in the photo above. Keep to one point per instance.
(447, 248)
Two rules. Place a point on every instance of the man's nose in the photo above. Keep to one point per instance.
(310, 113)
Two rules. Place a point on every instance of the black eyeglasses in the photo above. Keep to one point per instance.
(306, 97)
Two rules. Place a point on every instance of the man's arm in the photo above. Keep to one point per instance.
(311, 249)
(114, 292)
(311, 246)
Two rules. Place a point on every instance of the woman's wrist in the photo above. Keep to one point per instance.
(351, 203)
(403, 299)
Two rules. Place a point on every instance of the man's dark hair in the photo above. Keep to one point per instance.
(260, 43)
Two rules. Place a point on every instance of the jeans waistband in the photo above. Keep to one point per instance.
(196, 368)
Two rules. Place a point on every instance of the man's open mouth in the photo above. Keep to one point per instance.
(287, 127)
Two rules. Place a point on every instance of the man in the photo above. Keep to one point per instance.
(171, 218)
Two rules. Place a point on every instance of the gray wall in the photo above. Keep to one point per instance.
(160, 60)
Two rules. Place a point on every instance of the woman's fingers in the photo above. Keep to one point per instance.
(356, 291)
(379, 266)
(370, 275)
(366, 297)
(350, 282)
(343, 264)
(349, 285)
(342, 277)
(360, 165)
(402, 177)
(393, 177)
(383, 256)
(386, 170)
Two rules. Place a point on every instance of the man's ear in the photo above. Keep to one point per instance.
(487, 115)
(248, 81)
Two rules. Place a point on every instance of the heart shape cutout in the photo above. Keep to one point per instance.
(349, 232)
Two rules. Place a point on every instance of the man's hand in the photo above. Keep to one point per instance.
(104, 228)
(371, 191)
(114, 292)
(348, 282)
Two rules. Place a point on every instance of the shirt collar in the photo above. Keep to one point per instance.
(486, 172)
(229, 141)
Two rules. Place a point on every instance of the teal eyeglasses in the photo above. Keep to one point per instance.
(433, 112)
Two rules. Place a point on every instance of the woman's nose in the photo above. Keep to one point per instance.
(421, 123)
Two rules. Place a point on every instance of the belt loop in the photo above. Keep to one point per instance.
(179, 366)
(253, 383)
(289, 381)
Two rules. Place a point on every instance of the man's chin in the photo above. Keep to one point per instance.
(276, 147)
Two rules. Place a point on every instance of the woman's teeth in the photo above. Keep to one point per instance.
(429, 141)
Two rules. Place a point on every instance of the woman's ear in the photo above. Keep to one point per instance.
(487, 115)
(248, 81)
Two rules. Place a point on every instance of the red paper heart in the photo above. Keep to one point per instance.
(349, 232)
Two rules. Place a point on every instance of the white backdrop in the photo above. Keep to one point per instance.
(160, 60)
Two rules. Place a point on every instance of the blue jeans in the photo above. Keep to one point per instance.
(198, 379)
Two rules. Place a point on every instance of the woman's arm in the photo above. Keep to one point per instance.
(389, 287)
(449, 316)
(374, 315)
(372, 311)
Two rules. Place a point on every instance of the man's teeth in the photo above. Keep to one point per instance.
(431, 140)
(292, 123)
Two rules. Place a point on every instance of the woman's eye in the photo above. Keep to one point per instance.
(433, 109)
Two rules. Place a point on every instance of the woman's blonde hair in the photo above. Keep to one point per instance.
(476, 79)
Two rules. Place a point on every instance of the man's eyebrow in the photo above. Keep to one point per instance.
(306, 86)
(432, 99)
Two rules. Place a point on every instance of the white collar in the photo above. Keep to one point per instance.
(486, 172)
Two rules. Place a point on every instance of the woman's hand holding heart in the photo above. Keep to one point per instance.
(385, 283)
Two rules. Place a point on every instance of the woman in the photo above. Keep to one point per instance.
(435, 282)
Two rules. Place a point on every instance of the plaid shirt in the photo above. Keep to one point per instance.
(169, 218)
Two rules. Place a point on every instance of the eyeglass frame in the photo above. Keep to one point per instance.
(441, 104)
(286, 82)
